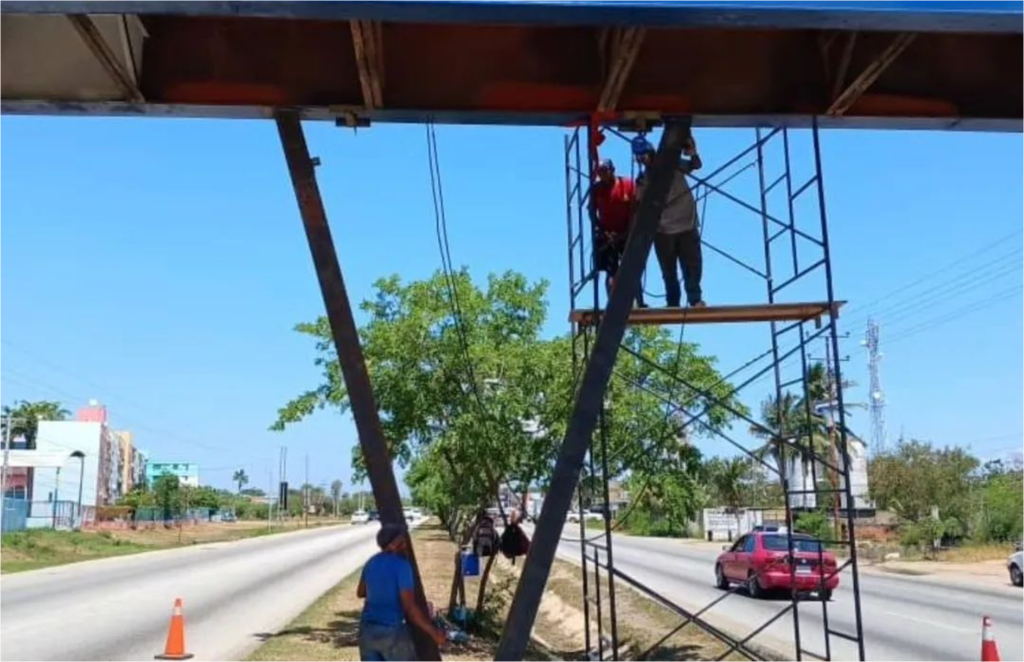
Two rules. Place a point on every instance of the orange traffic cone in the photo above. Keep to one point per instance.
(989, 652)
(175, 647)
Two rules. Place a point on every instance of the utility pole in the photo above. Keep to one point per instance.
(282, 484)
(305, 496)
(56, 497)
(270, 500)
(830, 387)
(3, 475)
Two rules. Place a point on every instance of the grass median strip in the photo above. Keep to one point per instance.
(42, 548)
(328, 629)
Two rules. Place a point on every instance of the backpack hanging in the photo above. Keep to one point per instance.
(485, 538)
(514, 542)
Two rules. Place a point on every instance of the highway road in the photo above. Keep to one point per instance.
(119, 608)
(905, 618)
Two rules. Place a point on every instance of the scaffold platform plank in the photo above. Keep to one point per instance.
(769, 312)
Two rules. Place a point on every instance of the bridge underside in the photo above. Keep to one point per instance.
(384, 62)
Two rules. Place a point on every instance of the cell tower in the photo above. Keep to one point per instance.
(877, 399)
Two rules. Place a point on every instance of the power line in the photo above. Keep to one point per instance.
(959, 313)
(939, 271)
(949, 289)
(132, 423)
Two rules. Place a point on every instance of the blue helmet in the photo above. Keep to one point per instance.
(641, 146)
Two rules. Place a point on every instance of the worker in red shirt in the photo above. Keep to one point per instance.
(614, 201)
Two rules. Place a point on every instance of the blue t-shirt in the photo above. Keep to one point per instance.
(386, 576)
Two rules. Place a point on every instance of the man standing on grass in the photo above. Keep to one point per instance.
(388, 588)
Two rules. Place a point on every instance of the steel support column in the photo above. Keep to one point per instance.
(597, 373)
(346, 341)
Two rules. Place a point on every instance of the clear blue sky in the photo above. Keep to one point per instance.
(160, 265)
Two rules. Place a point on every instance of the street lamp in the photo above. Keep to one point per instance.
(81, 482)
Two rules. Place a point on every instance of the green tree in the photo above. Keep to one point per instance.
(999, 513)
(137, 499)
(241, 479)
(915, 477)
(208, 498)
(166, 490)
(24, 418)
(472, 403)
(666, 501)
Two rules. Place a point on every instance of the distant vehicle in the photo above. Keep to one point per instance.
(360, 517)
(1015, 566)
(588, 516)
(761, 561)
(409, 514)
(228, 517)
(770, 528)
(374, 515)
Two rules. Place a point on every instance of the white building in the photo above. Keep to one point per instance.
(100, 475)
(801, 477)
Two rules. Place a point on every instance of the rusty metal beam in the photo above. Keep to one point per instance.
(90, 34)
(367, 39)
(346, 342)
(626, 44)
(596, 375)
(861, 83)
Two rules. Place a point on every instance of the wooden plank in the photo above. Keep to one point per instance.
(625, 48)
(100, 49)
(870, 74)
(778, 312)
(369, 60)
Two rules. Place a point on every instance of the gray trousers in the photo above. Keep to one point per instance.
(383, 643)
(683, 249)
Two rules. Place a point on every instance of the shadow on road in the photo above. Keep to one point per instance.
(343, 632)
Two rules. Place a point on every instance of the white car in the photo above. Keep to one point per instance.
(1015, 566)
(588, 516)
(360, 517)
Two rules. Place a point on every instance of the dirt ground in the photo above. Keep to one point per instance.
(328, 629)
(991, 572)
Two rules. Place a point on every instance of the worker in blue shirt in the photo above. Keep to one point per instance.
(387, 586)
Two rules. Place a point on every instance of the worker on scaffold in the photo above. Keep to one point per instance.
(614, 200)
(677, 240)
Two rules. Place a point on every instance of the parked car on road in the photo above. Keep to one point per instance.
(360, 517)
(1015, 566)
(762, 562)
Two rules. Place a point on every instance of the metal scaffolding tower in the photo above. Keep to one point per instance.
(796, 258)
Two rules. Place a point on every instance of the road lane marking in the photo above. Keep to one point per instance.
(925, 621)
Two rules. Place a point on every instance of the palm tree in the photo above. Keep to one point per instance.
(24, 418)
(803, 433)
(241, 478)
(727, 477)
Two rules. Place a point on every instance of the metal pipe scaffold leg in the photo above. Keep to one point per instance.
(346, 342)
(597, 373)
